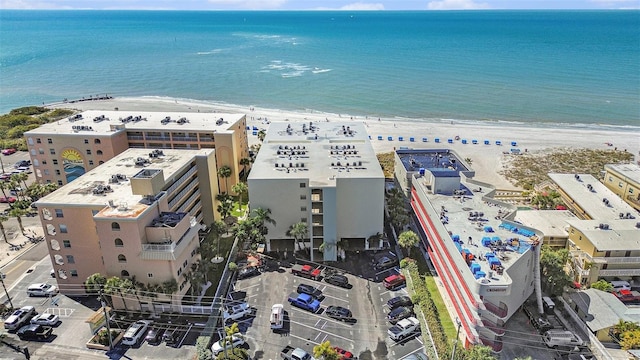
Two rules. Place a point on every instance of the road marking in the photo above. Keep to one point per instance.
(414, 352)
(325, 331)
(335, 298)
(301, 338)
(323, 318)
(62, 312)
(246, 288)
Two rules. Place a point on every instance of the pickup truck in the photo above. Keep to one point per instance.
(306, 271)
(291, 353)
(628, 296)
(304, 301)
(404, 328)
(237, 311)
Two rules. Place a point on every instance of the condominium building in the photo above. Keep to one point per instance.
(605, 239)
(63, 150)
(137, 215)
(487, 267)
(624, 181)
(324, 174)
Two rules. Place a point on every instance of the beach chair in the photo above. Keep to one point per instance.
(255, 132)
(379, 137)
(498, 142)
(450, 141)
(464, 141)
(400, 138)
(390, 138)
(474, 142)
(248, 127)
(424, 139)
(513, 143)
(412, 139)
(437, 140)
(487, 142)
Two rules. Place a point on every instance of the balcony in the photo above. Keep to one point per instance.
(634, 201)
(499, 311)
(135, 137)
(617, 260)
(495, 328)
(185, 138)
(169, 251)
(619, 272)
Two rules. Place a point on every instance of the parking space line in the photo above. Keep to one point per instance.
(330, 333)
(246, 288)
(414, 352)
(303, 339)
(62, 312)
(335, 298)
(323, 318)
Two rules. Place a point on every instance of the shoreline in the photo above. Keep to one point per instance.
(486, 160)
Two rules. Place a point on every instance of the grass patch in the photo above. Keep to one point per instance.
(238, 212)
(215, 272)
(387, 162)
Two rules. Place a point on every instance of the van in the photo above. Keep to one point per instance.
(620, 285)
(554, 338)
(548, 305)
(42, 290)
(135, 332)
(277, 317)
(394, 282)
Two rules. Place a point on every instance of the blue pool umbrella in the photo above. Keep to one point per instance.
(400, 138)
(513, 143)
(474, 142)
(450, 141)
(464, 141)
(390, 138)
(498, 142)
(437, 140)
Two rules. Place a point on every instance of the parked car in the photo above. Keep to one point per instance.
(339, 313)
(343, 354)
(35, 332)
(338, 280)
(398, 301)
(5, 176)
(9, 151)
(235, 311)
(19, 317)
(154, 336)
(248, 272)
(46, 319)
(310, 290)
(135, 332)
(26, 169)
(22, 163)
(394, 282)
(399, 313)
(42, 289)
(385, 262)
(10, 199)
(220, 345)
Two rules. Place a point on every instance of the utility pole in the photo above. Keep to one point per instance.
(106, 318)
(453, 353)
(2, 275)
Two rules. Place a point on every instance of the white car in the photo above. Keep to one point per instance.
(19, 317)
(233, 312)
(46, 319)
(235, 341)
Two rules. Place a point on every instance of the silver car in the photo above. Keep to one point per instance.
(46, 319)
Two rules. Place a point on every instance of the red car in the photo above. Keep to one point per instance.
(343, 354)
(10, 199)
(5, 176)
(8, 151)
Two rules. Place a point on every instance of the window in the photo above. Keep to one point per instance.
(46, 171)
(55, 245)
(179, 271)
(303, 208)
(86, 141)
(100, 162)
(627, 253)
(58, 259)
(57, 172)
(620, 184)
(96, 141)
(63, 228)
(88, 151)
(41, 151)
(52, 151)
(303, 185)
(99, 152)
(115, 226)
(66, 243)
(44, 162)
(55, 161)
(90, 162)
(122, 258)
(49, 141)
(59, 182)
(124, 273)
(59, 213)
(70, 259)
(149, 275)
(303, 197)
(610, 179)
(630, 191)
(304, 220)
(119, 242)
(74, 273)
(38, 140)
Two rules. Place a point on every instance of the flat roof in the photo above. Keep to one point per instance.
(97, 122)
(440, 162)
(619, 234)
(89, 190)
(631, 172)
(590, 194)
(549, 222)
(317, 151)
(469, 216)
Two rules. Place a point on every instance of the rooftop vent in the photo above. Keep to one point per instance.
(603, 226)
(101, 189)
(182, 120)
(112, 204)
(123, 206)
(100, 118)
(156, 153)
(75, 117)
(577, 177)
(219, 121)
(166, 120)
(638, 225)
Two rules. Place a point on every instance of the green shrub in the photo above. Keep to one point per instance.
(202, 348)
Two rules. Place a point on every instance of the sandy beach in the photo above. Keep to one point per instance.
(487, 160)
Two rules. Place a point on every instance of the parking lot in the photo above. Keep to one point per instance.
(366, 337)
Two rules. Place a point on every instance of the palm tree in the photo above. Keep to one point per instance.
(94, 283)
(299, 231)
(20, 177)
(325, 351)
(225, 172)
(261, 135)
(225, 207)
(240, 189)
(262, 216)
(244, 162)
(408, 240)
(3, 218)
(18, 213)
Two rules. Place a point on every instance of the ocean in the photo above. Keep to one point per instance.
(546, 67)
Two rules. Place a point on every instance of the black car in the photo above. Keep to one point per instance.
(398, 301)
(386, 262)
(338, 280)
(248, 272)
(339, 313)
(154, 336)
(399, 313)
(310, 290)
(35, 332)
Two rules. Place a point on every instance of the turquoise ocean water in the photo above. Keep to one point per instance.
(571, 67)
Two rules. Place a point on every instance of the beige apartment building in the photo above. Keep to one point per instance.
(63, 150)
(324, 174)
(604, 239)
(624, 181)
(137, 215)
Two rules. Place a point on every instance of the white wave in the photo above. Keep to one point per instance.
(292, 74)
(210, 52)
(320, 71)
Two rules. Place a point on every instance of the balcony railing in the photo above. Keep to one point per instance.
(620, 272)
(185, 138)
(617, 260)
(497, 329)
(135, 137)
(159, 247)
(496, 310)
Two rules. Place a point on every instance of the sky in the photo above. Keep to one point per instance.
(346, 5)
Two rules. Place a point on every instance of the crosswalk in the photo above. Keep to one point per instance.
(61, 312)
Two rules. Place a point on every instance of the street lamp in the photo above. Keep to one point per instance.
(2, 276)
(453, 353)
